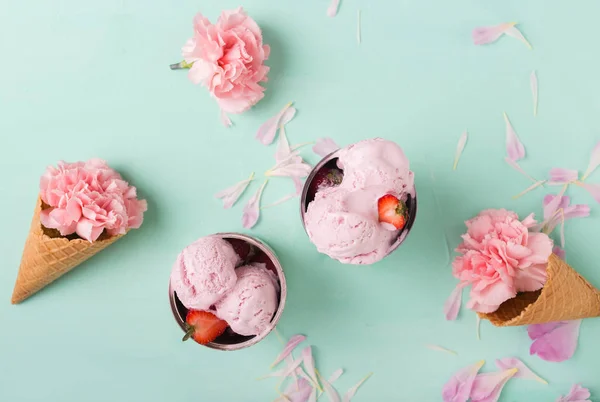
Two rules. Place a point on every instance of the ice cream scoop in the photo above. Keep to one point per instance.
(204, 272)
(249, 307)
(344, 221)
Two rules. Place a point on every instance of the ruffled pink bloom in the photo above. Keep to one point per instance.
(228, 58)
(87, 198)
(500, 257)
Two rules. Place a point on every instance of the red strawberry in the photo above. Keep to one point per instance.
(325, 178)
(392, 210)
(203, 327)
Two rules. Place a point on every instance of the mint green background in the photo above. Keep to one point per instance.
(80, 79)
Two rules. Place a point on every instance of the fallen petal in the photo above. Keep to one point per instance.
(335, 375)
(594, 162)
(518, 168)
(554, 342)
(231, 194)
(462, 141)
(515, 33)
(268, 130)
(333, 8)
(524, 372)
(453, 304)
(352, 391)
(441, 349)
(487, 387)
(283, 146)
(560, 176)
(593, 189)
(331, 392)
(288, 348)
(534, 91)
(225, 119)
(514, 148)
(309, 366)
(485, 35)
(325, 146)
(296, 393)
(458, 388)
(252, 208)
(577, 394)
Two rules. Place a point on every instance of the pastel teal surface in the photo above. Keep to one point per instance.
(82, 79)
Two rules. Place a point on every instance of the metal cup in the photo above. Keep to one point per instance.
(230, 340)
(330, 161)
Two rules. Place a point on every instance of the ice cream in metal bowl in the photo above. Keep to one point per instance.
(359, 203)
(227, 291)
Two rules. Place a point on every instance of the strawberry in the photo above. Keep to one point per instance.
(203, 327)
(324, 178)
(391, 210)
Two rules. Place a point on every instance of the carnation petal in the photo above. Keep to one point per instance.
(554, 342)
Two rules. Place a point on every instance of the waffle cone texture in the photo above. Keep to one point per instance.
(47, 258)
(565, 296)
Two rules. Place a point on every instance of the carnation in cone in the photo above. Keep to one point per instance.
(500, 257)
(228, 58)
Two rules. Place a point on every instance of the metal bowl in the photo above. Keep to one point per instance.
(230, 340)
(329, 162)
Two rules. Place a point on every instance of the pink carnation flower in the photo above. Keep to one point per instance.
(228, 59)
(500, 257)
(88, 198)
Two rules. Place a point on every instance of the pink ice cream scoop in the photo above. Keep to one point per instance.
(204, 272)
(249, 307)
(342, 221)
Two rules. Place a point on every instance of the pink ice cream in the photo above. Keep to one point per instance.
(204, 272)
(249, 307)
(343, 221)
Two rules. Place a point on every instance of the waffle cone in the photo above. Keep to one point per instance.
(47, 258)
(565, 296)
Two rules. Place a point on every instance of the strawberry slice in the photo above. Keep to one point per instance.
(203, 327)
(393, 211)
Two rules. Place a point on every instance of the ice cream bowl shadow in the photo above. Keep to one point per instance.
(330, 162)
(230, 340)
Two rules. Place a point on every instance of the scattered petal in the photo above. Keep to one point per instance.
(556, 207)
(514, 148)
(333, 8)
(515, 33)
(488, 386)
(283, 146)
(518, 168)
(594, 162)
(231, 194)
(530, 188)
(313, 396)
(288, 115)
(593, 189)
(325, 146)
(485, 35)
(292, 166)
(288, 348)
(478, 327)
(328, 389)
(534, 91)
(335, 375)
(358, 33)
(252, 208)
(352, 391)
(560, 253)
(287, 371)
(577, 394)
(458, 388)
(309, 366)
(462, 141)
(560, 176)
(225, 119)
(524, 371)
(441, 349)
(298, 185)
(454, 302)
(295, 393)
(267, 132)
(554, 342)
(280, 201)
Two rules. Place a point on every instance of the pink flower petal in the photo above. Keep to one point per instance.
(252, 208)
(559, 176)
(577, 394)
(283, 146)
(331, 392)
(296, 393)
(533, 81)
(267, 132)
(292, 166)
(514, 148)
(593, 189)
(325, 146)
(515, 33)
(309, 365)
(452, 305)
(439, 348)
(462, 141)
(555, 342)
(487, 387)
(352, 391)
(524, 372)
(288, 348)
(333, 8)
(594, 162)
(458, 388)
(559, 252)
(231, 194)
(485, 35)
(225, 119)
(298, 185)
(518, 168)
